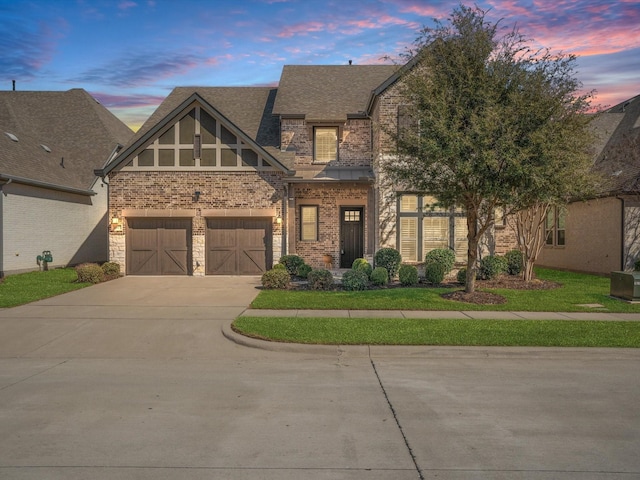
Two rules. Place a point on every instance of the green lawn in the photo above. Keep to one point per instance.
(377, 331)
(29, 287)
(576, 289)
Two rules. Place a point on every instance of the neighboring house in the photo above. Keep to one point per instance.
(50, 198)
(603, 234)
(225, 180)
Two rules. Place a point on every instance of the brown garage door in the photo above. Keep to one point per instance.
(159, 246)
(238, 246)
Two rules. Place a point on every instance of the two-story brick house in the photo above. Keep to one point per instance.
(225, 180)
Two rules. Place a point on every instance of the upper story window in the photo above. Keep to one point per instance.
(198, 141)
(325, 144)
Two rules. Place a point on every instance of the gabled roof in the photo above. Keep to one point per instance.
(328, 92)
(247, 109)
(78, 132)
(618, 155)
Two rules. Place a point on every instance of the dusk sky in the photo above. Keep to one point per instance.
(129, 54)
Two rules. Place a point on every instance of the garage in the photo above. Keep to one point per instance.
(159, 246)
(238, 246)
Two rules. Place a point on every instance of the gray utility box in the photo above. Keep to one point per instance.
(625, 285)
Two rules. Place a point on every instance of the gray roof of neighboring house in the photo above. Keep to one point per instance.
(328, 92)
(618, 155)
(78, 132)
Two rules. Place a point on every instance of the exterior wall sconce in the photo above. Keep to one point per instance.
(116, 224)
(278, 220)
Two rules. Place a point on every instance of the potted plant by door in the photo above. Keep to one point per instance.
(328, 260)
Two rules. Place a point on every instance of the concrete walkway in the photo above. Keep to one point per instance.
(463, 315)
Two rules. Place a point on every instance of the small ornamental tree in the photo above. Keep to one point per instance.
(488, 122)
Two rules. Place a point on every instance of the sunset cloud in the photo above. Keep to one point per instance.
(134, 51)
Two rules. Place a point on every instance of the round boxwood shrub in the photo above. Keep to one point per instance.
(461, 276)
(355, 280)
(515, 262)
(111, 269)
(320, 279)
(362, 265)
(434, 272)
(388, 258)
(291, 262)
(89, 273)
(276, 278)
(491, 266)
(303, 270)
(444, 256)
(379, 276)
(408, 275)
(279, 266)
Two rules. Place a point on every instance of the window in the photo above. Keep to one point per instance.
(423, 226)
(555, 227)
(325, 144)
(309, 223)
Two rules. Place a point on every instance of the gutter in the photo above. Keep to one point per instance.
(36, 183)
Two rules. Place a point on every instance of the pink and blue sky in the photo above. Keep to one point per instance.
(129, 54)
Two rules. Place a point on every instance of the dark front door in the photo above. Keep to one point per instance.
(159, 246)
(351, 235)
(238, 246)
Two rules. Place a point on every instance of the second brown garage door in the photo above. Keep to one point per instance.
(159, 246)
(238, 246)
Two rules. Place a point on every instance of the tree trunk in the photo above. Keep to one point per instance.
(472, 251)
(530, 236)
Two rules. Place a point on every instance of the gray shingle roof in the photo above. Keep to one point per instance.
(619, 146)
(249, 108)
(72, 124)
(328, 92)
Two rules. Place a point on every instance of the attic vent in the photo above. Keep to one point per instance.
(11, 136)
(45, 148)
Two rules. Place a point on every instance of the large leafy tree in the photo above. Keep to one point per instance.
(492, 123)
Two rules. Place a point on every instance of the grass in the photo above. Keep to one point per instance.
(376, 331)
(29, 287)
(577, 289)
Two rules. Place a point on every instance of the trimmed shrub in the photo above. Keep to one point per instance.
(279, 266)
(491, 266)
(461, 276)
(636, 265)
(355, 280)
(388, 258)
(515, 262)
(276, 279)
(444, 256)
(89, 273)
(362, 265)
(379, 276)
(434, 272)
(408, 275)
(303, 270)
(291, 262)
(111, 269)
(320, 279)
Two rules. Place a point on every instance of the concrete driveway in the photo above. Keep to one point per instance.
(132, 379)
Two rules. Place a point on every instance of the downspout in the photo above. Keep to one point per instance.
(622, 234)
(2, 231)
(285, 218)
